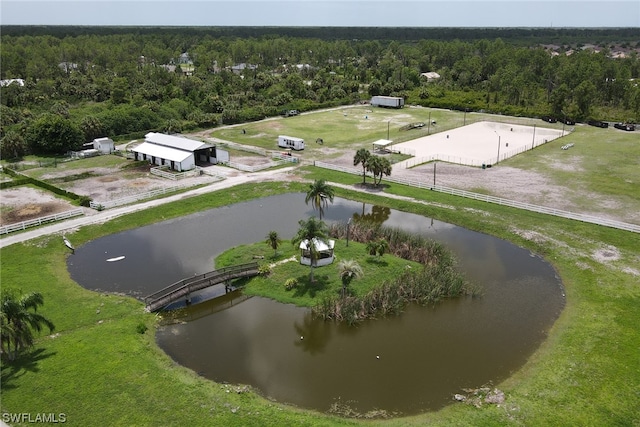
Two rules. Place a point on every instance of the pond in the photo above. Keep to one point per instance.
(405, 364)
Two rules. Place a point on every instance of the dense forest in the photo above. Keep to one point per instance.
(74, 84)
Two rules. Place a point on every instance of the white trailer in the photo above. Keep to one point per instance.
(290, 142)
(387, 101)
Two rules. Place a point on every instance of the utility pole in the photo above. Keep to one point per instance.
(498, 158)
(434, 174)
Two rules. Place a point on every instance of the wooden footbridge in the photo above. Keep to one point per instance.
(185, 287)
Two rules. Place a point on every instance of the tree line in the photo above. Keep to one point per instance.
(82, 83)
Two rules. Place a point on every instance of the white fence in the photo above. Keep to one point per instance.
(497, 200)
(262, 166)
(241, 147)
(161, 171)
(136, 197)
(409, 163)
(39, 221)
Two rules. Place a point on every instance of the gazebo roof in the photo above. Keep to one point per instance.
(382, 143)
(320, 245)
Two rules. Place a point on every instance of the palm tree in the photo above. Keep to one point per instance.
(377, 247)
(379, 166)
(383, 247)
(348, 270)
(362, 157)
(372, 247)
(17, 322)
(310, 231)
(273, 240)
(318, 194)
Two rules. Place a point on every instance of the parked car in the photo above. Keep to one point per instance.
(289, 113)
(625, 126)
(598, 123)
(567, 121)
(549, 119)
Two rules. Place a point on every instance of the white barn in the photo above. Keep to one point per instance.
(176, 152)
(104, 145)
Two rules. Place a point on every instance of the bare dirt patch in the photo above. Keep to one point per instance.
(108, 179)
(25, 203)
(606, 254)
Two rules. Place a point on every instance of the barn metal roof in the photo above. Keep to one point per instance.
(177, 142)
(162, 152)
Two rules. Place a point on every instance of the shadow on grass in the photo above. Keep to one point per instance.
(372, 188)
(26, 362)
(305, 285)
(377, 261)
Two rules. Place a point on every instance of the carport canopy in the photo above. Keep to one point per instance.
(381, 144)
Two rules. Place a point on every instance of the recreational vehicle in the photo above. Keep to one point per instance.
(291, 142)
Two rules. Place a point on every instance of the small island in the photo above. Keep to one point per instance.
(376, 272)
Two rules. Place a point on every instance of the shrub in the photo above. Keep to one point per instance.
(141, 328)
(290, 284)
(264, 270)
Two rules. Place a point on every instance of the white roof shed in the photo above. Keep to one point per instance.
(381, 144)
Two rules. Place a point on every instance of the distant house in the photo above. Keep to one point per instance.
(8, 82)
(184, 59)
(68, 67)
(177, 153)
(240, 68)
(430, 76)
(104, 145)
(169, 67)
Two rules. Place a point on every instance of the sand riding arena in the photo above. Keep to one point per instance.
(482, 143)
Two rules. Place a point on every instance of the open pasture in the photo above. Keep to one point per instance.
(352, 128)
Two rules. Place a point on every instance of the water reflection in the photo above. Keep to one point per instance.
(407, 364)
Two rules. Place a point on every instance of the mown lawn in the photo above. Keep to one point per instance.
(326, 282)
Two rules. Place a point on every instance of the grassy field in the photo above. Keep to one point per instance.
(99, 370)
(353, 128)
(601, 161)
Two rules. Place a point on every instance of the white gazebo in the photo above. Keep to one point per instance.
(324, 249)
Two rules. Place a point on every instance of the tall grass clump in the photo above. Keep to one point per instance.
(402, 244)
(437, 279)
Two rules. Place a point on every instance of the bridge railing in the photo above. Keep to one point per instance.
(220, 274)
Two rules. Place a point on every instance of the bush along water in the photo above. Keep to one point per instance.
(437, 279)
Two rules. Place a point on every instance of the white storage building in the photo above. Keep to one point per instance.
(104, 145)
(176, 152)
